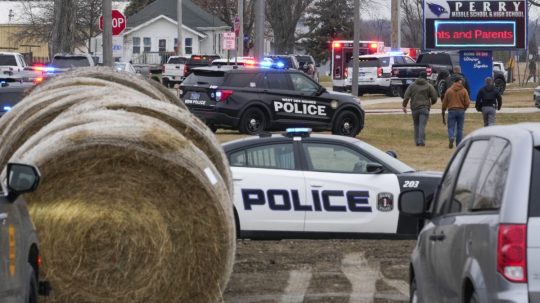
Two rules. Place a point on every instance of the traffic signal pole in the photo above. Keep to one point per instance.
(107, 33)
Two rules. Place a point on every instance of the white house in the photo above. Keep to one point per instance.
(151, 33)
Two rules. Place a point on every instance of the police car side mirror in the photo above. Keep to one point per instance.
(392, 153)
(412, 203)
(21, 178)
(374, 168)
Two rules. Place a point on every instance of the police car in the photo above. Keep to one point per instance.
(256, 99)
(320, 186)
(19, 252)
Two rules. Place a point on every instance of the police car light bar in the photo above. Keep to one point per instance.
(303, 132)
(7, 108)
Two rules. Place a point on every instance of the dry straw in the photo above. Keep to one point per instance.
(135, 203)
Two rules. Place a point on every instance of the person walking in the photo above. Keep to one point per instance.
(488, 101)
(456, 100)
(451, 79)
(532, 70)
(422, 95)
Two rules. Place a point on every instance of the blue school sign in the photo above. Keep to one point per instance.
(476, 66)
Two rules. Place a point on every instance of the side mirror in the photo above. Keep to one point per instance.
(392, 153)
(321, 90)
(412, 203)
(21, 178)
(374, 168)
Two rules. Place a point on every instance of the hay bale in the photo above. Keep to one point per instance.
(135, 201)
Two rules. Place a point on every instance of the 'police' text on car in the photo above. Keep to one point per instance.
(253, 100)
(324, 186)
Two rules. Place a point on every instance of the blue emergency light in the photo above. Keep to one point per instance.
(7, 108)
(266, 63)
(298, 132)
(280, 64)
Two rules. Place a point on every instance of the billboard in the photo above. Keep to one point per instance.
(475, 25)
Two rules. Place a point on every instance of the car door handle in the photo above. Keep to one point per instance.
(316, 185)
(237, 179)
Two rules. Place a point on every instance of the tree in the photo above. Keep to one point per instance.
(411, 24)
(283, 19)
(327, 20)
(135, 6)
(64, 24)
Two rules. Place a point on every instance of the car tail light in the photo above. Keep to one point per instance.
(429, 71)
(512, 252)
(336, 45)
(395, 72)
(38, 80)
(39, 261)
(345, 73)
(379, 72)
(186, 70)
(223, 94)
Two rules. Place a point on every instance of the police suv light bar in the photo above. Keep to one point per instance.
(303, 132)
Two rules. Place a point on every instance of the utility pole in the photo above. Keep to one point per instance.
(259, 29)
(180, 50)
(356, 47)
(107, 33)
(240, 52)
(395, 38)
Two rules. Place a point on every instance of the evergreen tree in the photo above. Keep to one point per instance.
(327, 20)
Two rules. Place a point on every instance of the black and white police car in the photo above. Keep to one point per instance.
(256, 99)
(299, 185)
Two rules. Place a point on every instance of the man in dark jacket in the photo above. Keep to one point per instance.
(488, 101)
(451, 79)
(422, 95)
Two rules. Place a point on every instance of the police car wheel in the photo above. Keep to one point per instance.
(394, 91)
(166, 83)
(32, 296)
(413, 298)
(253, 121)
(347, 124)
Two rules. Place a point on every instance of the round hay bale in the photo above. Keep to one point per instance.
(128, 211)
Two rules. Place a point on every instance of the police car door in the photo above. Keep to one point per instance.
(308, 101)
(268, 187)
(345, 198)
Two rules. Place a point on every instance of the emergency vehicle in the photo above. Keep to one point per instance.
(19, 250)
(299, 185)
(342, 53)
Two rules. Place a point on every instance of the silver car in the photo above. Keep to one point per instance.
(480, 241)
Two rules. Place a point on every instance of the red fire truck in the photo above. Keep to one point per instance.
(342, 51)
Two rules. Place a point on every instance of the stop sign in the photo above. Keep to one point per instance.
(118, 22)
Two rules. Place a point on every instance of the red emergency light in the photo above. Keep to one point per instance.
(373, 45)
(336, 45)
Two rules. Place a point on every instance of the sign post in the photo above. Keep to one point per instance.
(229, 42)
(476, 66)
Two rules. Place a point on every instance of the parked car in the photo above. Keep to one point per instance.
(125, 67)
(283, 184)
(19, 249)
(174, 71)
(287, 61)
(61, 63)
(536, 96)
(12, 90)
(11, 63)
(480, 241)
(239, 61)
(499, 66)
(198, 61)
(257, 99)
(374, 73)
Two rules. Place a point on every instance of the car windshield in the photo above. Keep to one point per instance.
(8, 60)
(204, 77)
(69, 62)
(397, 165)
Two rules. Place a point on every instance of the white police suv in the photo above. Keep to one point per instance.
(299, 185)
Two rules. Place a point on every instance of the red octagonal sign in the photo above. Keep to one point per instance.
(118, 22)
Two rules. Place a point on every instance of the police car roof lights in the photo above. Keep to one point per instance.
(7, 108)
(303, 132)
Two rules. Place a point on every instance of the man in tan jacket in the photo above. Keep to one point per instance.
(456, 100)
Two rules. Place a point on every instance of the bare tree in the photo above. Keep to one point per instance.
(283, 19)
(411, 26)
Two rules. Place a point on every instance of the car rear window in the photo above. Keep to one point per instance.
(69, 62)
(205, 78)
(241, 80)
(8, 60)
(534, 198)
(440, 59)
(366, 62)
(177, 60)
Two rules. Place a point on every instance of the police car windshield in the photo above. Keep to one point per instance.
(205, 77)
(397, 165)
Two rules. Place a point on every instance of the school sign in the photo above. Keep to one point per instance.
(475, 25)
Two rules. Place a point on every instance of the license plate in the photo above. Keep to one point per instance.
(195, 96)
(409, 81)
(361, 74)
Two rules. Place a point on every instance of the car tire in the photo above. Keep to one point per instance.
(441, 87)
(474, 297)
(500, 84)
(413, 292)
(394, 91)
(213, 128)
(253, 121)
(346, 124)
(32, 295)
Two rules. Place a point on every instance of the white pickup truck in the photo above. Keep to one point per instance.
(11, 63)
(174, 71)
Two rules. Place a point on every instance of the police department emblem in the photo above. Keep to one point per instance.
(385, 201)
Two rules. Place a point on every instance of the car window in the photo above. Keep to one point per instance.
(69, 62)
(303, 84)
(241, 80)
(466, 182)
(409, 60)
(177, 60)
(384, 61)
(398, 60)
(534, 197)
(277, 81)
(204, 78)
(334, 158)
(8, 60)
(447, 184)
(275, 156)
(492, 179)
